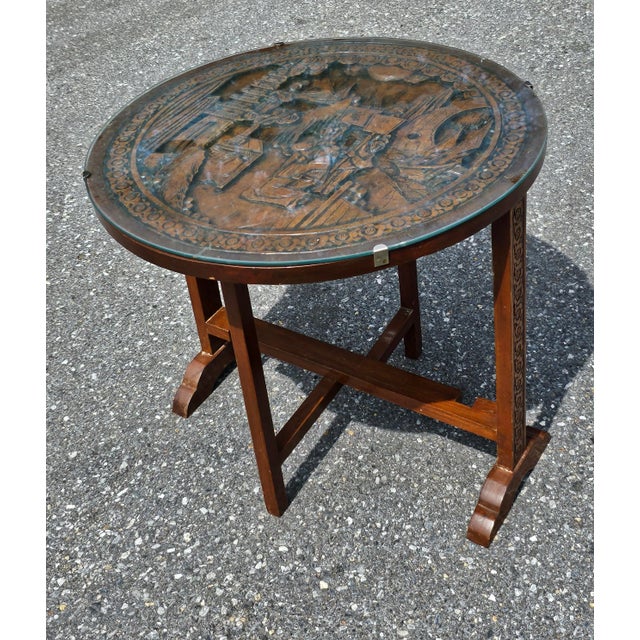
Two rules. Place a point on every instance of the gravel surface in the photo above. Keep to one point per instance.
(156, 527)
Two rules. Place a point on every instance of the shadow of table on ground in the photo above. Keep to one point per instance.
(457, 327)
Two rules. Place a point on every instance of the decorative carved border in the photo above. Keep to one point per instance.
(135, 199)
(518, 214)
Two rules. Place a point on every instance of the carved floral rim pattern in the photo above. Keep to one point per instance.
(199, 240)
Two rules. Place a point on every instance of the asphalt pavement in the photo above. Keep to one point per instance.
(156, 527)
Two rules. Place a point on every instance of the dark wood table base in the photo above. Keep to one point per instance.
(230, 333)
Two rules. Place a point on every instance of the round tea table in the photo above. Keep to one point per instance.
(320, 160)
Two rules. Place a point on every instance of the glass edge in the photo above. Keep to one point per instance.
(322, 259)
(199, 257)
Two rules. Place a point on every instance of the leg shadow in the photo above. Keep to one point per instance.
(458, 339)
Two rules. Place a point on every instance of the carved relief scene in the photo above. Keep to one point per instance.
(301, 146)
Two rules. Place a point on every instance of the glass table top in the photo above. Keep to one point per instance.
(315, 151)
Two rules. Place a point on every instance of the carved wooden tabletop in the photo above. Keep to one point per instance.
(314, 152)
(319, 160)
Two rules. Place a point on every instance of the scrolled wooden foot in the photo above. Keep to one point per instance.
(200, 378)
(500, 489)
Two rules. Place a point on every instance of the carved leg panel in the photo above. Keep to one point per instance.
(518, 449)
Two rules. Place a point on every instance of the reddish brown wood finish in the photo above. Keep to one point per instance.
(410, 299)
(294, 164)
(274, 164)
(501, 487)
(216, 356)
(245, 345)
(509, 248)
(325, 271)
(200, 379)
(518, 448)
(316, 402)
(419, 394)
(205, 301)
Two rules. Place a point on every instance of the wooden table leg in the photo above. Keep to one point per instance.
(216, 355)
(249, 361)
(409, 298)
(518, 447)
